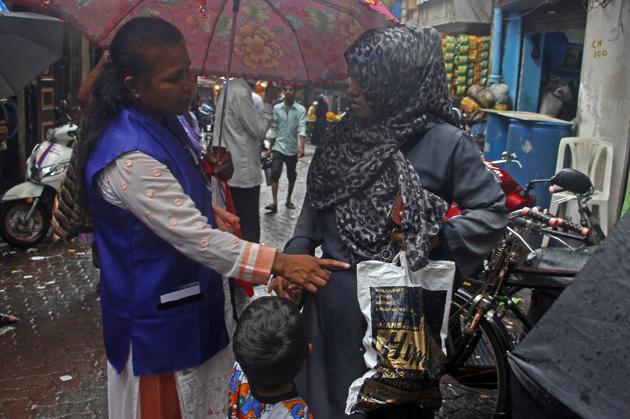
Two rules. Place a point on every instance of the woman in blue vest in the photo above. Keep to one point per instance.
(165, 306)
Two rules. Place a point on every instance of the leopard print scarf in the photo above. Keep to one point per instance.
(359, 169)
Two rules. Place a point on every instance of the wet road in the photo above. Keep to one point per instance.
(52, 361)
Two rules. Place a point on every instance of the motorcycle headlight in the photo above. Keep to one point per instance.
(54, 170)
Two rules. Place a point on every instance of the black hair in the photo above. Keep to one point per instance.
(270, 342)
(127, 57)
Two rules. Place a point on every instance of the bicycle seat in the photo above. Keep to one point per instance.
(555, 258)
(551, 258)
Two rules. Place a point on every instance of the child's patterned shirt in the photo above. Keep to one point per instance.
(243, 404)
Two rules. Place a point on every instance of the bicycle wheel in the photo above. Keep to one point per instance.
(476, 383)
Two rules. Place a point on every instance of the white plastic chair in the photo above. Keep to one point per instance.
(594, 158)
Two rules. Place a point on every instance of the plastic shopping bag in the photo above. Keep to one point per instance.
(407, 317)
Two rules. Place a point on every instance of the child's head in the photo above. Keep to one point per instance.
(270, 342)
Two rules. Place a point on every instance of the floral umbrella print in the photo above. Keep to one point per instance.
(256, 47)
(300, 41)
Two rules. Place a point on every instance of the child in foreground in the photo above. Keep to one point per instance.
(270, 345)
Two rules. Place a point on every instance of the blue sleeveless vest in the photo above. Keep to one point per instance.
(169, 308)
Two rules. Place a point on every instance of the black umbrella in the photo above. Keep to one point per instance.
(29, 43)
(576, 361)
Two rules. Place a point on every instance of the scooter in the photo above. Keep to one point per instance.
(25, 209)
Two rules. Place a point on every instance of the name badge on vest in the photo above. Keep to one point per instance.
(187, 294)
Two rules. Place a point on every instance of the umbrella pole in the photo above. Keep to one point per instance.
(235, 9)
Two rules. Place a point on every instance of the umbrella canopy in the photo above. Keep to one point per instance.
(301, 41)
(30, 43)
(575, 362)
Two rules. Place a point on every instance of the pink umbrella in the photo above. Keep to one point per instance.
(300, 41)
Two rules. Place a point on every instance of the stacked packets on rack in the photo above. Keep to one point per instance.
(466, 59)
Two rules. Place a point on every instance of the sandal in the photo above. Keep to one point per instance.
(7, 319)
(271, 209)
(290, 205)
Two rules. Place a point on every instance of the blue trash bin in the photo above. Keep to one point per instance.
(536, 146)
(496, 136)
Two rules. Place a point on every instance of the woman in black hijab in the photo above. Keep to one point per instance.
(398, 139)
(320, 122)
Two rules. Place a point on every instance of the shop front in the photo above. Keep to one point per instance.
(567, 59)
(542, 55)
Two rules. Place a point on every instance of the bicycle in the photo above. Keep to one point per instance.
(479, 340)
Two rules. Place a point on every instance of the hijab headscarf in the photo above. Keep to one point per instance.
(359, 169)
(322, 108)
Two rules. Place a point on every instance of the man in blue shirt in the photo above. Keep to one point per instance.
(288, 135)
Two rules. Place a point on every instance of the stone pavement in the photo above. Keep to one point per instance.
(52, 363)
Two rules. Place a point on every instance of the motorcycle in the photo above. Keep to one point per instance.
(515, 196)
(25, 209)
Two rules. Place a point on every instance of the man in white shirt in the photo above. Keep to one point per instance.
(244, 128)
